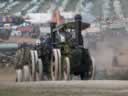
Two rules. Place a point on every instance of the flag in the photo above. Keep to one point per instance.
(57, 18)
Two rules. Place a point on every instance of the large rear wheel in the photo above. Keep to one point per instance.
(37, 77)
(54, 65)
(35, 56)
(33, 65)
(59, 63)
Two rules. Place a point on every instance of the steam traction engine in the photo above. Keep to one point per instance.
(59, 55)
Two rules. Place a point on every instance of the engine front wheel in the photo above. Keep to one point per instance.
(92, 69)
(19, 75)
(26, 73)
(54, 65)
(40, 69)
(90, 75)
(66, 68)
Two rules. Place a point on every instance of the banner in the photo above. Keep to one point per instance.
(25, 28)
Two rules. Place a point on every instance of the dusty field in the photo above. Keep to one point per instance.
(7, 74)
(8, 87)
(65, 88)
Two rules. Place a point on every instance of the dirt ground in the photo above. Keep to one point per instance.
(8, 86)
(7, 74)
(65, 88)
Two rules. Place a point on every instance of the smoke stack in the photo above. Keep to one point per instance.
(53, 34)
(78, 25)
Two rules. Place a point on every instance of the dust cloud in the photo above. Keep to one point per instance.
(110, 50)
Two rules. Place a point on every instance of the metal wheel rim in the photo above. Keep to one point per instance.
(37, 76)
(19, 75)
(36, 56)
(92, 69)
(33, 65)
(59, 64)
(40, 65)
(54, 65)
(66, 69)
(26, 73)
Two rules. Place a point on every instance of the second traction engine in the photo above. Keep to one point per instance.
(60, 55)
